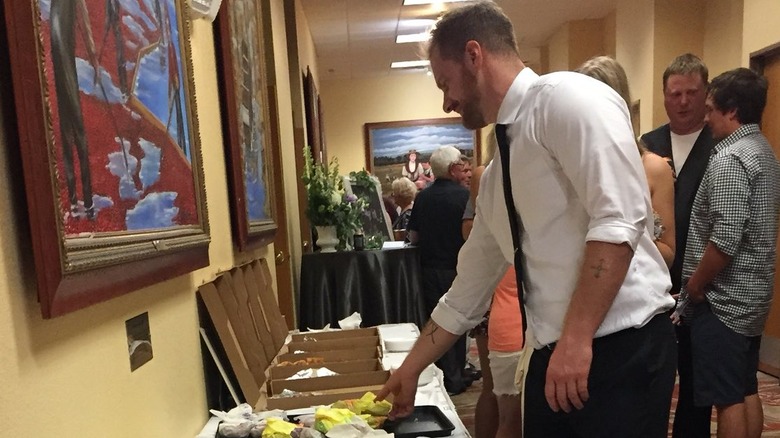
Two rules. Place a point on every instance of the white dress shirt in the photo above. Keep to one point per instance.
(576, 176)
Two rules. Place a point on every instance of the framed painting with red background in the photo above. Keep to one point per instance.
(109, 143)
(246, 121)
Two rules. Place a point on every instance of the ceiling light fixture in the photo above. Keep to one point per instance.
(413, 38)
(429, 2)
(411, 64)
(416, 23)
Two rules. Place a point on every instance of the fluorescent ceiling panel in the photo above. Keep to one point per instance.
(429, 2)
(413, 38)
(410, 64)
(416, 23)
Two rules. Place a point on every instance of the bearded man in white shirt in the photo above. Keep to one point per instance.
(596, 287)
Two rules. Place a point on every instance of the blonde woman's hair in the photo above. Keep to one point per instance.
(404, 190)
(608, 70)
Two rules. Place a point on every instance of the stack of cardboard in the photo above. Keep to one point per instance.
(243, 308)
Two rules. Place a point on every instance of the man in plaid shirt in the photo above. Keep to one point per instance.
(729, 265)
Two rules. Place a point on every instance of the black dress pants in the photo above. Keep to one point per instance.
(436, 282)
(690, 421)
(630, 387)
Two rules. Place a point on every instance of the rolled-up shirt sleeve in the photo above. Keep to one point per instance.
(729, 203)
(593, 141)
(480, 267)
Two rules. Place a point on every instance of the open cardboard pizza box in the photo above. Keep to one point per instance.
(251, 329)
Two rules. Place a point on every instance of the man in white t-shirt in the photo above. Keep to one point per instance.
(687, 140)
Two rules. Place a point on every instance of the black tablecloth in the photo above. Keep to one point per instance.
(384, 286)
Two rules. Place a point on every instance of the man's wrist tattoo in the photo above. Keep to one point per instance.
(430, 329)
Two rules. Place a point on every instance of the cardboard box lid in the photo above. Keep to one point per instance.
(242, 306)
(248, 322)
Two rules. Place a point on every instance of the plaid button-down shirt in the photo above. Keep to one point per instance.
(736, 208)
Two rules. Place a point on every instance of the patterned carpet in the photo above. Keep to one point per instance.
(768, 390)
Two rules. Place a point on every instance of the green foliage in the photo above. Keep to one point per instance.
(361, 178)
(327, 203)
(374, 241)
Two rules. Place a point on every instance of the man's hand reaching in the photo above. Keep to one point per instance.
(403, 386)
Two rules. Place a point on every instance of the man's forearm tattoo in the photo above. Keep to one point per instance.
(598, 269)
(430, 329)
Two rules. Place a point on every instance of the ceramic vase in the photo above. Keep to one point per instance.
(327, 239)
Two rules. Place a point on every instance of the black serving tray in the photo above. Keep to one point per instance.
(428, 421)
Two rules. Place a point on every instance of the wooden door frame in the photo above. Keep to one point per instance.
(285, 290)
(758, 62)
(298, 119)
(759, 58)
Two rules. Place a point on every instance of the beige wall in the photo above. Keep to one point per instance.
(577, 41)
(558, 50)
(306, 51)
(723, 35)
(679, 28)
(650, 33)
(634, 27)
(609, 32)
(586, 40)
(70, 376)
(352, 103)
(760, 26)
(645, 35)
(544, 60)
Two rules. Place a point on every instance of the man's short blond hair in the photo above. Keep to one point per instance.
(687, 64)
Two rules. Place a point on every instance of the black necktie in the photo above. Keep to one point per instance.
(514, 226)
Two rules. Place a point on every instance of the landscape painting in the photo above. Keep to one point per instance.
(395, 149)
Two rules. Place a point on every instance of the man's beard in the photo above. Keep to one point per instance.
(471, 115)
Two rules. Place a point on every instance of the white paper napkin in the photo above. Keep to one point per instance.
(351, 322)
